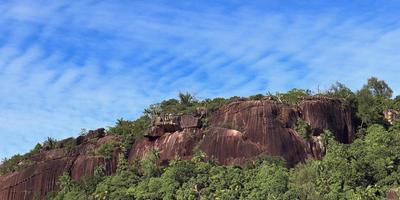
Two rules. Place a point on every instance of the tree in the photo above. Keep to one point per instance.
(50, 143)
(267, 181)
(186, 98)
(372, 99)
(368, 109)
(396, 103)
(149, 165)
(378, 88)
(293, 96)
(116, 187)
(303, 129)
(130, 130)
(339, 90)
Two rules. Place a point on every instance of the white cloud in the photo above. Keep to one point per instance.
(66, 66)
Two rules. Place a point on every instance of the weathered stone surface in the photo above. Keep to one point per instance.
(36, 180)
(41, 178)
(316, 147)
(244, 129)
(189, 121)
(179, 143)
(237, 132)
(390, 115)
(86, 165)
(164, 124)
(106, 139)
(171, 123)
(229, 146)
(393, 194)
(92, 135)
(264, 123)
(328, 113)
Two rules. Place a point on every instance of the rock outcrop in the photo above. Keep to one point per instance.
(245, 129)
(329, 113)
(41, 178)
(234, 134)
(390, 115)
(393, 194)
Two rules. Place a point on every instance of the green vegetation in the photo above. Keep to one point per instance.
(130, 131)
(303, 129)
(50, 143)
(15, 163)
(365, 169)
(107, 149)
(74, 190)
(256, 97)
(293, 96)
(19, 162)
(67, 144)
(186, 104)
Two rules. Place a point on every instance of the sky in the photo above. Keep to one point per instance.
(68, 65)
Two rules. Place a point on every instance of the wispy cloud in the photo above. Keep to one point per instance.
(66, 66)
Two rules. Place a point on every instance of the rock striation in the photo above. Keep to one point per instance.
(41, 178)
(245, 129)
(234, 134)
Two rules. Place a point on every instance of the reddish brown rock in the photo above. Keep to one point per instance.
(244, 129)
(316, 147)
(86, 165)
(329, 113)
(229, 146)
(179, 143)
(264, 123)
(92, 135)
(390, 115)
(236, 133)
(164, 124)
(189, 121)
(393, 194)
(37, 180)
(41, 178)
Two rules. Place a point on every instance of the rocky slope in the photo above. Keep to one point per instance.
(242, 130)
(41, 178)
(237, 132)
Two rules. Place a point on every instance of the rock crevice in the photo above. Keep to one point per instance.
(237, 132)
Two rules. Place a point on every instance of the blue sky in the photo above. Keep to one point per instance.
(66, 66)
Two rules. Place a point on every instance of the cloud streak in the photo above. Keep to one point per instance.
(66, 66)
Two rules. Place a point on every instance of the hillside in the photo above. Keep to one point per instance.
(335, 144)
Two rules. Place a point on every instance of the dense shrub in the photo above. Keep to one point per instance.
(107, 149)
(304, 129)
(365, 169)
(293, 96)
(130, 131)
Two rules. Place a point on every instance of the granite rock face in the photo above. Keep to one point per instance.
(41, 178)
(245, 129)
(328, 113)
(234, 134)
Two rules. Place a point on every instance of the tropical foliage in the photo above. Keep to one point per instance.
(365, 169)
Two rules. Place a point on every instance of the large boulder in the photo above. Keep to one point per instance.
(229, 146)
(245, 129)
(189, 121)
(163, 124)
(237, 132)
(171, 123)
(179, 143)
(265, 123)
(329, 113)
